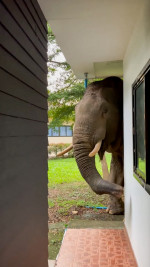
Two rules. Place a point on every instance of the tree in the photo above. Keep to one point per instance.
(65, 90)
(62, 104)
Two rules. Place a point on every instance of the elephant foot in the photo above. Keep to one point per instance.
(115, 206)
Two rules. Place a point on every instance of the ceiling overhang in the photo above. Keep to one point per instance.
(93, 35)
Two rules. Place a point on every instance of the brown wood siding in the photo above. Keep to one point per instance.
(23, 135)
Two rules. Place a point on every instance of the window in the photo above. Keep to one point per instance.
(60, 131)
(69, 131)
(141, 125)
(55, 131)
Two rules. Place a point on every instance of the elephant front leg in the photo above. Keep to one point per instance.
(116, 205)
(104, 168)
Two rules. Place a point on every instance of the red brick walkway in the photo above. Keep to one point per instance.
(95, 248)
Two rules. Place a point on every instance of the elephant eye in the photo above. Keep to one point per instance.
(105, 110)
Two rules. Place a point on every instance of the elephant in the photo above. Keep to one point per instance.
(99, 128)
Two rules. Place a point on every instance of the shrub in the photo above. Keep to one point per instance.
(54, 149)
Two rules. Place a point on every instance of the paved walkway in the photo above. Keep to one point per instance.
(95, 248)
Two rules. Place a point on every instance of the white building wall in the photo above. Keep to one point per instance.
(137, 200)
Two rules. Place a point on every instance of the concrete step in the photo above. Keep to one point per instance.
(51, 263)
(95, 224)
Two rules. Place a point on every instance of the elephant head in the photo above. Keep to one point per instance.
(98, 128)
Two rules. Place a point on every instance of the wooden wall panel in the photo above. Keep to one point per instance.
(16, 68)
(40, 29)
(13, 15)
(9, 42)
(11, 127)
(15, 87)
(18, 108)
(23, 202)
(40, 14)
(23, 135)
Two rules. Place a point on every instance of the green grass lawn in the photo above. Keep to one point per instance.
(66, 170)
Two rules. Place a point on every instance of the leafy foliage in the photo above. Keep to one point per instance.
(62, 104)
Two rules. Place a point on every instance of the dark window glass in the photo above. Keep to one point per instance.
(140, 130)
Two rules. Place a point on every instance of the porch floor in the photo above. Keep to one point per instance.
(95, 248)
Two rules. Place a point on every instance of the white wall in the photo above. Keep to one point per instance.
(137, 200)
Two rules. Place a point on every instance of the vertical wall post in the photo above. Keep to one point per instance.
(86, 80)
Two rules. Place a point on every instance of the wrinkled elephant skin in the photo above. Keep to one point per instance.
(99, 128)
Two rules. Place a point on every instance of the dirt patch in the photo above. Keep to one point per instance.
(69, 200)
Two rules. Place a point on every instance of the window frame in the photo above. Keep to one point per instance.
(143, 78)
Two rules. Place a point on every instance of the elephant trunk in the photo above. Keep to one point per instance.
(86, 165)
